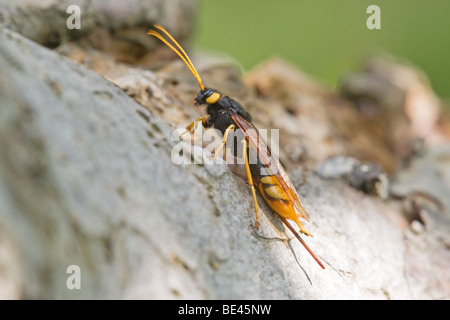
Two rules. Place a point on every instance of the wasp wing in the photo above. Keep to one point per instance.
(269, 161)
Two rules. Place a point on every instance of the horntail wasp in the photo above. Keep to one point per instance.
(267, 174)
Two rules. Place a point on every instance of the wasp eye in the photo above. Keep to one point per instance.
(213, 98)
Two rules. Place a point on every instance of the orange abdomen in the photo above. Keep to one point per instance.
(278, 200)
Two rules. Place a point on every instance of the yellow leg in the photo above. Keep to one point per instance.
(250, 180)
(224, 142)
(191, 128)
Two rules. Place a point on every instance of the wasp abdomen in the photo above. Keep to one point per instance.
(272, 188)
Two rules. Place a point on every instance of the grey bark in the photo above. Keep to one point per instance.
(45, 21)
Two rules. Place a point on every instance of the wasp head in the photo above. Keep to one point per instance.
(207, 95)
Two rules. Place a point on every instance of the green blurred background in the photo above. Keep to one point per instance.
(328, 38)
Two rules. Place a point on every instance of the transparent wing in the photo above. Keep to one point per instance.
(270, 162)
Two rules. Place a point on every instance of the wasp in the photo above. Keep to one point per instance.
(266, 174)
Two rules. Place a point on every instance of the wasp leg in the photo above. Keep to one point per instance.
(224, 142)
(191, 127)
(250, 180)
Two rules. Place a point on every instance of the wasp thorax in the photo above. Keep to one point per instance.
(209, 96)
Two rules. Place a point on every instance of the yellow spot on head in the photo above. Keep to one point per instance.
(213, 98)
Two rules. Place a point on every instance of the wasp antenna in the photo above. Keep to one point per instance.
(178, 46)
(167, 43)
(178, 50)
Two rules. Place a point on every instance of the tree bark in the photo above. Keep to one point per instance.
(87, 179)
